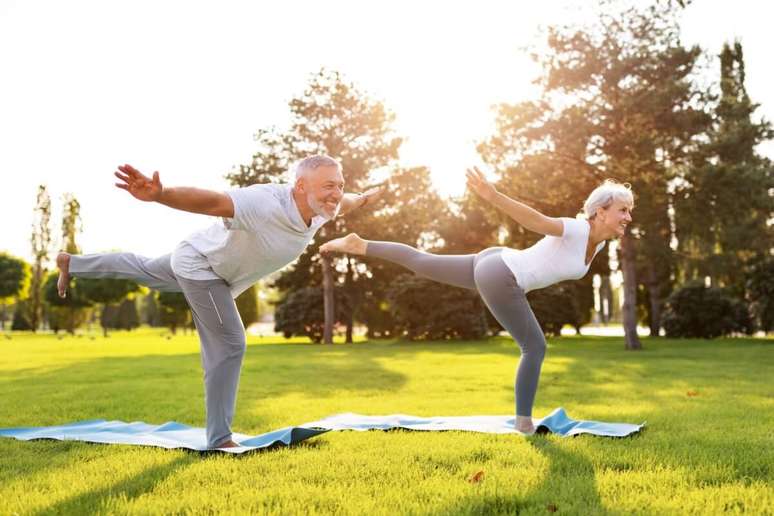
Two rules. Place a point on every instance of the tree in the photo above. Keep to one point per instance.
(69, 312)
(106, 291)
(127, 317)
(760, 292)
(456, 313)
(14, 281)
(617, 101)
(149, 312)
(41, 245)
(302, 313)
(731, 181)
(72, 223)
(174, 310)
(247, 305)
(334, 117)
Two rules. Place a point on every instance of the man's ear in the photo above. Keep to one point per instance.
(300, 185)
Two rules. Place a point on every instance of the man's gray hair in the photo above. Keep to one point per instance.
(301, 167)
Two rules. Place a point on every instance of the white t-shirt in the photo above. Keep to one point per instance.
(553, 259)
(266, 233)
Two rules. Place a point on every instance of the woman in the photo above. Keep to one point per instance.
(503, 276)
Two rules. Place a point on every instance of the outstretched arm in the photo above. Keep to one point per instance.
(528, 217)
(195, 200)
(352, 201)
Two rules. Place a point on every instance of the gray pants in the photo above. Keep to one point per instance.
(486, 273)
(221, 333)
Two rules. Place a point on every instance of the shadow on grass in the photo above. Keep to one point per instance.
(568, 485)
(93, 501)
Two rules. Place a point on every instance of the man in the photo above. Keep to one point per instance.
(262, 228)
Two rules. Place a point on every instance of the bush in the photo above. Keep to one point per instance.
(425, 309)
(695, 310)
(173, 309)
(302, 312)
(21, 318)
(556, 306)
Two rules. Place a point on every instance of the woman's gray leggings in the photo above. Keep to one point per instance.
(486, 273)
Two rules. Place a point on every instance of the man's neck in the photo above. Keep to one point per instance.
(303, 207)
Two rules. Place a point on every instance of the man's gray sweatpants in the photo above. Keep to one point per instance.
(487, 273)
(221, 333)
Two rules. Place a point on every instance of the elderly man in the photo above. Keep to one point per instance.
(262, 228)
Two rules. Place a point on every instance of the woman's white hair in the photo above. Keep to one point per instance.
(302, 166)
(606, 194)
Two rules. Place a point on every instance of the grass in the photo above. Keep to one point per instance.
(708, 447)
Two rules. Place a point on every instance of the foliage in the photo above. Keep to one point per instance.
(14, 276)
(427, 310)
(760, 290)
(695, 310)
(66, 313)
(559, 304)
(41, 246)
(247, 305)
(106, 291)
(174, 310)
(618, 102)
(335, 117)
(731, 182)
(302, 312)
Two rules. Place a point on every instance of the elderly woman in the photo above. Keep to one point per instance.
(503, 276)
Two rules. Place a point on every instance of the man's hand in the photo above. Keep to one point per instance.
(352, 201)
(139, 185)
(370, 196)
(479, 184)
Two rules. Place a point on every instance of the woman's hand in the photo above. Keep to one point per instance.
(479, 184)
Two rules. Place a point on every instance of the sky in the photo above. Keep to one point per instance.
(182, 87)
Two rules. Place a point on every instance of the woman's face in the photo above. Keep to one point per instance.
(615, 218)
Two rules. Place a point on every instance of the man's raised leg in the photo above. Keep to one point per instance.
(155, 273)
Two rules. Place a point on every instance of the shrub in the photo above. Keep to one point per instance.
(695, 310)
(425, 309)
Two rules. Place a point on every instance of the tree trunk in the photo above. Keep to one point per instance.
(328, 300)
(605, 299)
(628, 265)
(35, 295)
(351, 312)
(654, 292)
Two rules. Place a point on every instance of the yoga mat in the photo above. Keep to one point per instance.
(177, 435)
(558, 422)
(168, 435)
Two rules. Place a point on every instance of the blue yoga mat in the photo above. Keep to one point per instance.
(558, 422)
(177, 435)
(168, 435)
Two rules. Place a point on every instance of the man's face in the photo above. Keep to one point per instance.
(324, 188)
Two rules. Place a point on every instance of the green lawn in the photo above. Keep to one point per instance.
(708, 446)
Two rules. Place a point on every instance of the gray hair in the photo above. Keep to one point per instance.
(302, 166)
(606, 194)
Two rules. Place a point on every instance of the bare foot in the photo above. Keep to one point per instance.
(228, 444)
(350, 244)
(63, 262)
(524, 425)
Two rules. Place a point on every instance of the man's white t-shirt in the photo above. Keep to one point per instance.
(266, 233)
(553, 259)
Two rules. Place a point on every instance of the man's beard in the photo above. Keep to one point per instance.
(319, 209)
